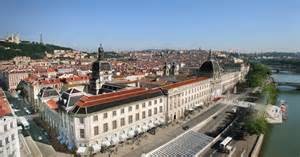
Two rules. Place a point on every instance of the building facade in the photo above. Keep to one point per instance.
(9, 138)
(100, 120)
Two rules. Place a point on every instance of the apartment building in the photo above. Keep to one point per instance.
(9, 139)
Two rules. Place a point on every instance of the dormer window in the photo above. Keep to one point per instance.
(65, 101)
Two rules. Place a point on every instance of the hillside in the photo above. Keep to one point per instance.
(26, 48)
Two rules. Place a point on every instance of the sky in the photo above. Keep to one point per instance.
(240, 25)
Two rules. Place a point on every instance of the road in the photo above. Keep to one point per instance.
(212, 151)
(35, 131)
(218, 121)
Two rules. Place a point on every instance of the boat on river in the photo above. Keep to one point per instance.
(283, 108)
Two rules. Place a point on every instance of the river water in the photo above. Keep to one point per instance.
(283, 140)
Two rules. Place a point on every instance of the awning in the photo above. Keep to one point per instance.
(59, 138)
(190, 109)
(138, 129)
(114, 140)
(151, 125)
(63, 140)
(123, 136)
(105, 143)
(71, 145)
(81, 150)
(131, 133)
(157, 122)
(162, 120)
(200, 104)
(145, 128)
(96, 148)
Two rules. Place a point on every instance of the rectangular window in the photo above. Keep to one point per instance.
(160, 100)
(137, 106)
(129, 108)
(160, 109)
(114, 124)
(122, 110)
(143, 114)
(5, 127)
(105, 127)
(104, 115)
(81, 133)
(13, 137)
(143, 105)
(155, 110)
(137, 116)
(122, 121)
(6, 140)
(155, 102)
(114, 113)
(149, 112)
(95, 118)
(11, 124)
(1, 145)
(96, 130)
(81, 120)
(130, 119)
(149, 103)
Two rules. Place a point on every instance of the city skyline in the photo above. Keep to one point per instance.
(232, 25)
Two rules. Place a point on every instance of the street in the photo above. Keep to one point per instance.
(36, 132)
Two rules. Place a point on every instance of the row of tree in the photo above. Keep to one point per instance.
(30, 49)
(259, 76)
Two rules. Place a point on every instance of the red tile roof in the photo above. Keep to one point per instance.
(52, 104)
(77, 78)
(182, 83)
(52, 81)
(50, 70)
(4, 105)
(86, 101)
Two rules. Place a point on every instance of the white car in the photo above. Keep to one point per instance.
(27, 111)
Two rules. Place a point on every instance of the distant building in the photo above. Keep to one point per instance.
(13, 77)
(13, 38)
(171, 69)
(21, 60)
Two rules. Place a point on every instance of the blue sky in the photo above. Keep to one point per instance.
(245, 25)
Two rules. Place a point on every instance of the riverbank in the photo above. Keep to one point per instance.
(284, 139)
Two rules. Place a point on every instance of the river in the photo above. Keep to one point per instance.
(283, 140)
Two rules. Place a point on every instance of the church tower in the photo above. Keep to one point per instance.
(101, 72)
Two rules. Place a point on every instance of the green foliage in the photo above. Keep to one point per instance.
(30, 49)
(271, 92)
(257, 125)
(258, 74)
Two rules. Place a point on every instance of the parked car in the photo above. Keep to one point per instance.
(27, 110)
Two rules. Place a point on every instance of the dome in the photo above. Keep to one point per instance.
(210, 68)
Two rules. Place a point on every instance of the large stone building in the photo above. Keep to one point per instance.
(83, 120)
(9, 138)
(13, 77)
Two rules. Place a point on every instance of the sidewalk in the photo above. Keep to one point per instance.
(149, 142)
(29, 147)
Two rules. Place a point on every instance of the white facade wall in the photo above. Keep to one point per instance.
(89, 123)
(80, 129)
(229, 80)
(187, 97)
(9, 139)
